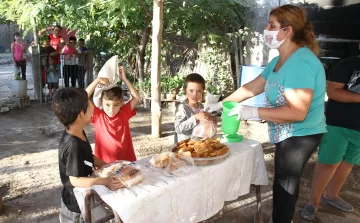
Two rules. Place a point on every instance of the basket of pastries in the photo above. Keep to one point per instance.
(204, 152)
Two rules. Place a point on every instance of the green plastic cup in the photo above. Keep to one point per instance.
(229, 125)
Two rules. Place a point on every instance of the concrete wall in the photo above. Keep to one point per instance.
(336, 24)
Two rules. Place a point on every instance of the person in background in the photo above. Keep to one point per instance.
(57, 42)
(294, 85)
(340, 148)
(46, 51)
(18, 51)
(82, 62)
(52, 78)
(70, 62)
(188, 114)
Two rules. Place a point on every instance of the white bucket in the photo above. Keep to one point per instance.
(18, 88)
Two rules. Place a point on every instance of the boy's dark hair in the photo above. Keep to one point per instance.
(113, 94)
(58, 26)
(72, 38)
(81, 40)
(67, 103)
(194, 77)
(17, 34)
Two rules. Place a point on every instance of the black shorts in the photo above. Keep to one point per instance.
(53, 85)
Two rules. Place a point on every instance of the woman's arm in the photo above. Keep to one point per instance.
(248, 90)
(298, 102)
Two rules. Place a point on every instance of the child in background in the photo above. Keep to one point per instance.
(52, 76)
(70, 62)
(76, 161)
(112, 131)
(18, 51)
(46, 51)
(82, 62)
(188, 113)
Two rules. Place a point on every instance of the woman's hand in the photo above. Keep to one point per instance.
(213, 107)
(244, 112)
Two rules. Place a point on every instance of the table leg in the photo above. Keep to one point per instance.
(88, 196)
(221, 212)
(258, 204)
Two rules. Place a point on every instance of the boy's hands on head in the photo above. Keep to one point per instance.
(204, 116)
(103, 80)
(113, 183)
(122, 73)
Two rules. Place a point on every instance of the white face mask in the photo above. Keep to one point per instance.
(270, 38)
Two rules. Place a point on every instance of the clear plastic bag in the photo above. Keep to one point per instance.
(173, 164)
(128, 173)
(205, 129)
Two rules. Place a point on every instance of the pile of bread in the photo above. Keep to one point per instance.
(201, 148)
(125, 171)
(169, 161)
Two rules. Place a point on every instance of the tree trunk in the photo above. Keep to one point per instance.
(237, 62)
(155, 68)
(140, 55)
(36, 68)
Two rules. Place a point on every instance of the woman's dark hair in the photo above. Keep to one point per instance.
(73, 38)
(294, 16)
(68, 103)
(113, 94)
(195, 78)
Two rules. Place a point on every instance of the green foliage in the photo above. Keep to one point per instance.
(146, 85)
(17, 77)
(115, 27)
(219, 79)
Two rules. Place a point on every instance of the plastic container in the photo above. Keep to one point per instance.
(209, 160)
(229, 125)
(18, 88)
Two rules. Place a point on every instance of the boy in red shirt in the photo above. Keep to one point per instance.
(112, 131)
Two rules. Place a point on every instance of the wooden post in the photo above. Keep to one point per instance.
(155, 68)
(237, 62)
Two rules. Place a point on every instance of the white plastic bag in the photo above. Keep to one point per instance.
(173, 164)
(205, 129)
(127, 172)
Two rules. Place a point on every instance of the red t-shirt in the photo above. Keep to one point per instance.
(54, 42)
(112, 135)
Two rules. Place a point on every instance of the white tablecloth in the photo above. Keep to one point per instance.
(192, 198)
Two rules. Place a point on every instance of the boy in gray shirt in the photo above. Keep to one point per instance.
(189, 114)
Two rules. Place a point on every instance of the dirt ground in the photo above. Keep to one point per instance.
(30, 183)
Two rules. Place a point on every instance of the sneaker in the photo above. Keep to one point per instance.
(339, 203)
(309, 212)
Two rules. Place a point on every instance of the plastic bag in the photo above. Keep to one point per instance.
(205, 129)
(173, 164)
(127, 172)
